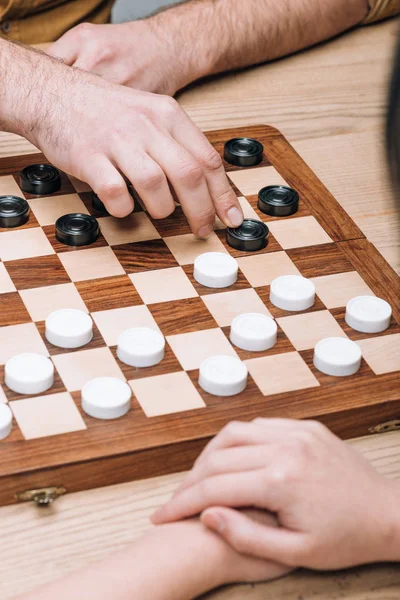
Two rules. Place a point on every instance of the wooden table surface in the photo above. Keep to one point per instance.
(330, 103)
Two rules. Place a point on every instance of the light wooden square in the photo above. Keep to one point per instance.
(6, 283)
(305, 330)
(16, 339)
(261, 269)
(42, 416)
(186, 248)
(191, 349)
(248, 213)
(163, 285)
(299, 232)
(166, 394)
(112, 323)
(48, 210)
(225, 306)
(136, 227)
(382, 353)
(40, 302)
(281, 373)
(77, 368)
(92, 263)
(337, 290)
(24, 243)
(9, 187)
(250, 181)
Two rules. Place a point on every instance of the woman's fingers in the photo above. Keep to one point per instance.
(241, 489)
(255, 539)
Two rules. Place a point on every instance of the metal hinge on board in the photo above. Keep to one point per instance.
(385, 427)
(41, 496)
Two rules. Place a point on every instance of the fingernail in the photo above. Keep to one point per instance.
(205, 230)
(215, 521)
(235, 216)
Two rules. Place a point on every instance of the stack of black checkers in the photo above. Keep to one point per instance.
(251, 236)
(243, 152)
(77, 229)
(14, 211)
(278, 201)
(40, 180)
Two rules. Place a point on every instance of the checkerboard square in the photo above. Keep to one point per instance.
(12, 310)
(166, 394)
(281, 373)
(40, 302)
(186, 248)
(303, 231)
(136, 227)
(112, 323)
(15, 339)
(175, 224)
(43, 416)
(382, 353)
(250, 181)
(47, 211)
(337, 290)
(9, 187)
(227, 305)
(24, 243)
(191, 349)
(163, 285)
(144, 256)
(108, 293)
(3, 397)
(261, 269)
(30, 273)
(77, 368)
(305, 330)
(6, 284)
(182, 316)
(92, 263)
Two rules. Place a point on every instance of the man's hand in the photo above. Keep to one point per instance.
(137, 54)
(99, 131)
(333, 508)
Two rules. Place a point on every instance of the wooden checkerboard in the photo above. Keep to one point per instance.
(140, 273)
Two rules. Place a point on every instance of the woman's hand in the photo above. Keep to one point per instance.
(333, 508)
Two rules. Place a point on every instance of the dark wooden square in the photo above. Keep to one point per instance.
(13, 310)
(276, 312)
(283, 344)
(145, 256)
(169, 364)
(182, 316)
(175, 224)
(272, 246)
(108, 293)
(97, 341)
(339, 314)
(39, 271)
(58, 386)
(316, 261)
(50, 231)
(66, 186)
(202, 290)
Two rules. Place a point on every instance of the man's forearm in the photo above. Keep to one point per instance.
(218, 35)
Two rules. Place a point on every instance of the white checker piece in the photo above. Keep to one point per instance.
(29, 373)
(223, 375)
(5, 421)
(253, 332)
(69, 328)
(336, 356)
(106, 398)
(368, 314)
(141, 347)
(215, 270)
(292, 292)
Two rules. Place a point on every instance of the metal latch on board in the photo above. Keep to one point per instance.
(393, 425)
(41, 496)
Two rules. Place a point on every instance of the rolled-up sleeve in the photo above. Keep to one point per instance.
(382, 9)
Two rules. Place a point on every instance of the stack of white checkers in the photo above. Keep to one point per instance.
(142, 347)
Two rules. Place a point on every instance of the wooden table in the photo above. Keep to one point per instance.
(330, 103)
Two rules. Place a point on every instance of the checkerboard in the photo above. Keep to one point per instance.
(140, 273)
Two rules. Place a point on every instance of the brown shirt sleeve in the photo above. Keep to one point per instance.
(381, 9)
